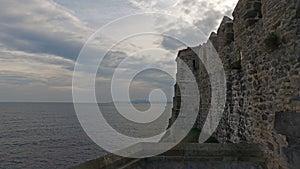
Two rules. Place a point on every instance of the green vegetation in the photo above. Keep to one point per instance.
(193, 137)
(212, 140)
(272, 41)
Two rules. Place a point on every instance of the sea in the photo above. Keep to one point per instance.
(49, 135)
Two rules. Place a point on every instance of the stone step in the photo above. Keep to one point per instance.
(198, 165)
(199, 159)
(132, 164)
(214, 153)
(194, 154)
(251, 150)
(106, 162)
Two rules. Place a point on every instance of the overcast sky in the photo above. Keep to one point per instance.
(40, 41)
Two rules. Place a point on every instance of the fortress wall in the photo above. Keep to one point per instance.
(270, 79)
(260, 51)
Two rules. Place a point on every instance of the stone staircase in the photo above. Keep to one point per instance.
(189, 156)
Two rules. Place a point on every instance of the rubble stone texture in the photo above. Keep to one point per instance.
(260, 51)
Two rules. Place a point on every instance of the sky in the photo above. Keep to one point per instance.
(41, 40)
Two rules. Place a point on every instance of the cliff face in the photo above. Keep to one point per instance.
(260, 51)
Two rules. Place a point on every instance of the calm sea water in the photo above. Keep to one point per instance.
(45, 135)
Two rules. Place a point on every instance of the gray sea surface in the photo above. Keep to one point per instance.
(47, 135)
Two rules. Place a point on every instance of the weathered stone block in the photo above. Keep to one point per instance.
(288, 123)
(250, 14)
(292, 154)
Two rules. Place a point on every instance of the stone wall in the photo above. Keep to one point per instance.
(190, 58)
(260, 51)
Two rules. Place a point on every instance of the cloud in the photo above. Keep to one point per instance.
(34, 77)
(207, 15)
(143, 83)
(196, 19)
(41, 40)
(29, 69)
(98, 13)
(188, 35)
(204, 14)
(41, 27)
(154, 4)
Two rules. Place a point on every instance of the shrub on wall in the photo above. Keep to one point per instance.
(272, 41)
